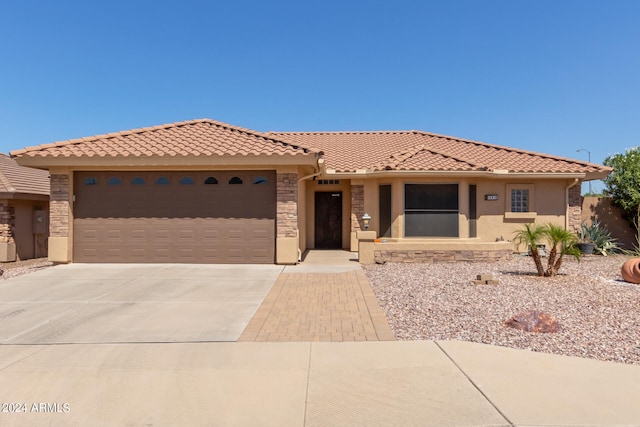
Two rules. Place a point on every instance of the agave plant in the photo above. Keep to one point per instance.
(600, 237)
(560, 241)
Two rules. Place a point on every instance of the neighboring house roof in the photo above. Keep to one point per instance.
(417, 150)
(21, 180)
(202, 137)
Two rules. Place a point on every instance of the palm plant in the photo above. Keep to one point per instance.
(529, 236)
(561, 242)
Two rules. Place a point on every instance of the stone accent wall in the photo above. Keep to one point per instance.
(59, 206)
(357, 207)
(382, 256)
(575, 207)
(7, 222)
(287, 205)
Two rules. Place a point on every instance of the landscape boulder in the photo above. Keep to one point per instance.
(534, 321)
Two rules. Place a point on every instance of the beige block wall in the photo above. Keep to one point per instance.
(610, 217)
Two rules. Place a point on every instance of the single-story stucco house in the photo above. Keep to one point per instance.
(203, 191)
(24, 211)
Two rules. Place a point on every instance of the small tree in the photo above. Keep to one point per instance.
(623, 184)
(561, 243)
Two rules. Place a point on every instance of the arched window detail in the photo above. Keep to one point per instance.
(211, 180)
(186, 180)
(114, 180)
(235, 180)
(138, 180)
(163, 180)
(260, 180)
(90, 181)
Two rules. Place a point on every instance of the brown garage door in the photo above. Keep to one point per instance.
(183, 217)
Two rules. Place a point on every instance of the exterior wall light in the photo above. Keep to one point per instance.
(366, 219)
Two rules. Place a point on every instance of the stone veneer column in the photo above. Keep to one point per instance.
(287, 218)
(357, 210)
(357, 207)
(574, 210)
(59, 244)
(7, 219)
(7, 223)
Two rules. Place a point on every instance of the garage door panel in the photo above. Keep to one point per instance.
(186, 223)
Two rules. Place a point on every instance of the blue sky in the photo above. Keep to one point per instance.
(549, 76)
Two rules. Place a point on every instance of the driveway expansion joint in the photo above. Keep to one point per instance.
(502, 414)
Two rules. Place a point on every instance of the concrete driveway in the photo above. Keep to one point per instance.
(129, 303)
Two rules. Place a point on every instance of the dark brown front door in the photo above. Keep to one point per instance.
(328, 220)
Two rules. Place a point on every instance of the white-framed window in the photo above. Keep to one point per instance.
(520, 198)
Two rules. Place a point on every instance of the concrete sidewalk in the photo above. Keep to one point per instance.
(416, 383)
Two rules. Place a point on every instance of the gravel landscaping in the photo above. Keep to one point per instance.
(599, 313)
(18, 268)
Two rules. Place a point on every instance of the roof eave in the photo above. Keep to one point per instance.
(601, 174)
(480, 174)
(24, 196)
(168, 161)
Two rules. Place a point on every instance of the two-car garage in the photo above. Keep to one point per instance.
(223, 216)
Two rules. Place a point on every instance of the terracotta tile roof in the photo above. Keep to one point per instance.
(350, 151)
(202, 137)
(343, 151)
(20, 179)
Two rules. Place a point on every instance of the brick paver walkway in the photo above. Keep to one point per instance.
(319, 307)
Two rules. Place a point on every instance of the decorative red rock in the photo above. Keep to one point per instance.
(533, 321)
(631, 270)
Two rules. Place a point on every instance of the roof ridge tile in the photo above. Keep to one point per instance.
(406, 155)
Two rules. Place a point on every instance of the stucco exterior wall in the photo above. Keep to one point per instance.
(549, 206)
(548, 203)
